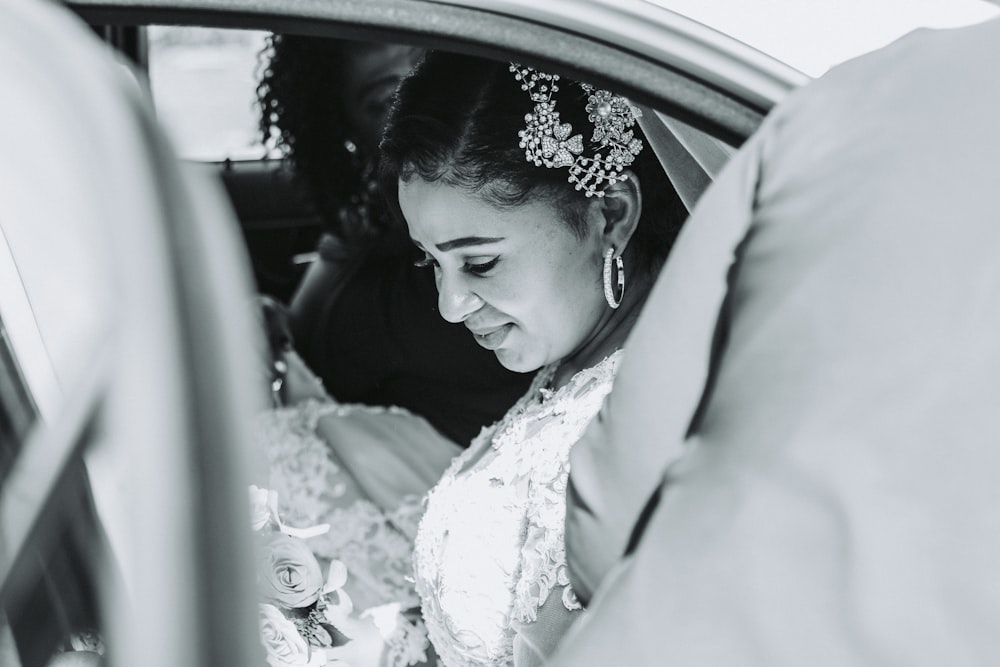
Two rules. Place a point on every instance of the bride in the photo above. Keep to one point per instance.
(545, 221)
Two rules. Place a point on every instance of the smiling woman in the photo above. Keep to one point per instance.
(512, 277)
(530, 256)
(518, 249)
(522, 220)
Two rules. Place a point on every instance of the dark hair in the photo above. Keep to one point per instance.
(302, 112)
(456, 120)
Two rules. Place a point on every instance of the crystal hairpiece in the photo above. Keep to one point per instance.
(549, 143)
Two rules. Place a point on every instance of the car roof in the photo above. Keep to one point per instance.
(813, 36)
(654, 55)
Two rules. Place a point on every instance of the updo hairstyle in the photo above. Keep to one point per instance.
(456, 119)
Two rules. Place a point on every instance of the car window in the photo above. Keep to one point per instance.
(203, 82)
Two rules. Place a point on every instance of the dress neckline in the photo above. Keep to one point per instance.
(541, 391)
(539, 401)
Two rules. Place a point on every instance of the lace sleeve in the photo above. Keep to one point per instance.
(544, 603)
(535, 642)
(543, 555)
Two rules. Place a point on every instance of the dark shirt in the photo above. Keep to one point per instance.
(382, 342)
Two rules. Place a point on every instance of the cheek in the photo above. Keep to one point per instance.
(583, 299)
(551, 292)
(588, 291)
(572, 297)
(580, 273)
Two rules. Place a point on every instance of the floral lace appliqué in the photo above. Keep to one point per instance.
(490, 547)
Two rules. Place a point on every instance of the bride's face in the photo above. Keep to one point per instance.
(519, 279)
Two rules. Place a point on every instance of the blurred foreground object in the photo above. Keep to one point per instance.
(131, 356)
(834, 495)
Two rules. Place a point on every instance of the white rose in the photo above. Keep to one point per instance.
(288, 573)
(261, 506)
(284, 645)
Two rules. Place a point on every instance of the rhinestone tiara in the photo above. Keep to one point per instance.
(550, 143)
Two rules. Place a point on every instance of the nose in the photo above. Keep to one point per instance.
(455, 300)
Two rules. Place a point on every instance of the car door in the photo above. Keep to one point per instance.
(128, 370)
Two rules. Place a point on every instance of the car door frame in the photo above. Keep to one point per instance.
(199, 280)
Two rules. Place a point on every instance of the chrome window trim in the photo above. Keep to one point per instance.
(26, 340)
(659, 33)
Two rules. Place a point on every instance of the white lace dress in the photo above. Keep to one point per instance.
(489, 550)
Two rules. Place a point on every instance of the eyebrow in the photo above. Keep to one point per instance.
(465, 242)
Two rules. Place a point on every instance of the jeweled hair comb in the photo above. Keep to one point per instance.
(549, 143)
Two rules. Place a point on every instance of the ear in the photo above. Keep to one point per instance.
(620, 209)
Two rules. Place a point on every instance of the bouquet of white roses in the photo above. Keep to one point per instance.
(306, 619)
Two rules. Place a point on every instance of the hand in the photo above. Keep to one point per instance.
(276, 325)
(299, 383)
(279, 344)
(291, 380)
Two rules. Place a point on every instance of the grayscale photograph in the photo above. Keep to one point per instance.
(499, 333)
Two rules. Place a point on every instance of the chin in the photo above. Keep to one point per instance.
(513, 361)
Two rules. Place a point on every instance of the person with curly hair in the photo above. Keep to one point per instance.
(365, 318)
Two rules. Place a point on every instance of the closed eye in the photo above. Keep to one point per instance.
(475, 268)
(481, 269)
(425, 262)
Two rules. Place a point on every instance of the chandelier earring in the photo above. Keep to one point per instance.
(609, 293)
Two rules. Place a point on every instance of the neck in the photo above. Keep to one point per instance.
(609, 335)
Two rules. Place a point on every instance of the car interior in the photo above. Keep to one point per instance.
(278, 224)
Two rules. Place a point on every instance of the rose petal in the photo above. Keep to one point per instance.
(305, 533)
(281, 640)
(339, 614)
(336, 577)
(259, 511)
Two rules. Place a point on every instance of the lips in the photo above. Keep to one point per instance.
(492, 338)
